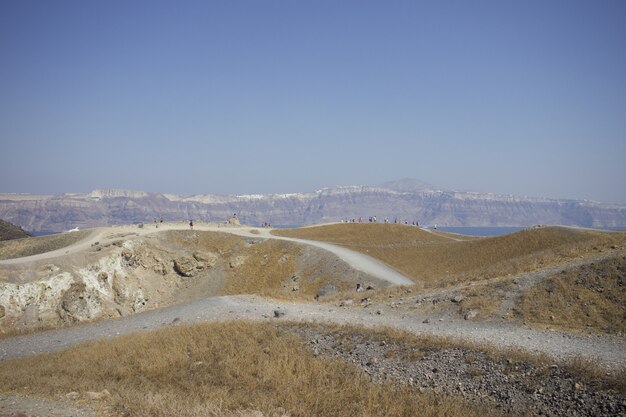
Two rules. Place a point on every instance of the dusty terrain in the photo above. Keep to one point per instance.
(554, 292)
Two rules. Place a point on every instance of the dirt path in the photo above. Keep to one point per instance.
(356, 260)
(608, 351)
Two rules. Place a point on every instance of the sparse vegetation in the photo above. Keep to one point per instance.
(591, 297)
(211, 369)
(35, 245)
(263, 267)
(438, 261)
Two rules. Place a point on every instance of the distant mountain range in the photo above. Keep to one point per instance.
(405, 200)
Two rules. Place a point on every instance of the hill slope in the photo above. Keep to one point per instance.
(10, 231)
(440, 259)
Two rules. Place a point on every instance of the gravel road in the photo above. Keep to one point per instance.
(608, 351)
(105, 235)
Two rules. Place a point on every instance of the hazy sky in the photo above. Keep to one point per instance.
(230, 97)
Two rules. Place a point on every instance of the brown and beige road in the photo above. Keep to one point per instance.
(103, 235)
(608, 351)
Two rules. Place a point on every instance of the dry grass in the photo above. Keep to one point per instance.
(411, 347)
(212, 369)
(263, 267)
(35, 245)
(266, 270)
(438, 261)
(591, 297)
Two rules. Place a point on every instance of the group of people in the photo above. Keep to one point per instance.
(373, 219)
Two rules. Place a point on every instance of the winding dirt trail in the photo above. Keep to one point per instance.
(606, 350)
(609, 351)
(356, 260)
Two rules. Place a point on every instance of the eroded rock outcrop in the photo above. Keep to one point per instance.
(75, 304)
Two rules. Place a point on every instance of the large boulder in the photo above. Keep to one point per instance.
(74, 305)
(208, 260)
(185, 266)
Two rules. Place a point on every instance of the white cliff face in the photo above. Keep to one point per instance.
(406, 199)
(42, 295)
(116, 193)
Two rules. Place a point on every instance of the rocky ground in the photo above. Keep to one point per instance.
(516, 386)
(122, 273)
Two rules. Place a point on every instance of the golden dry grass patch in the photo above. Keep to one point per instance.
(438, 261)
(266, 267)
(591, 297)
(189, 370)
(29, 246)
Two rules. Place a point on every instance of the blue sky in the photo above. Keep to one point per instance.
(231, 97)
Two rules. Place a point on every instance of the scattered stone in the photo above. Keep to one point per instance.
(458, 298)
(372, 361)
(471, 314)
(72, 395)
(2, 311)
(346, 303)
(279, 312)
(426, 321)
(379, 312)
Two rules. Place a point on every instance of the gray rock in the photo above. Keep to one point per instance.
(471, 314)
(128, 257)
(72, 395)
(185, 266)
(2, 311)
(74, 306)
(458, 298)
(279, 312)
